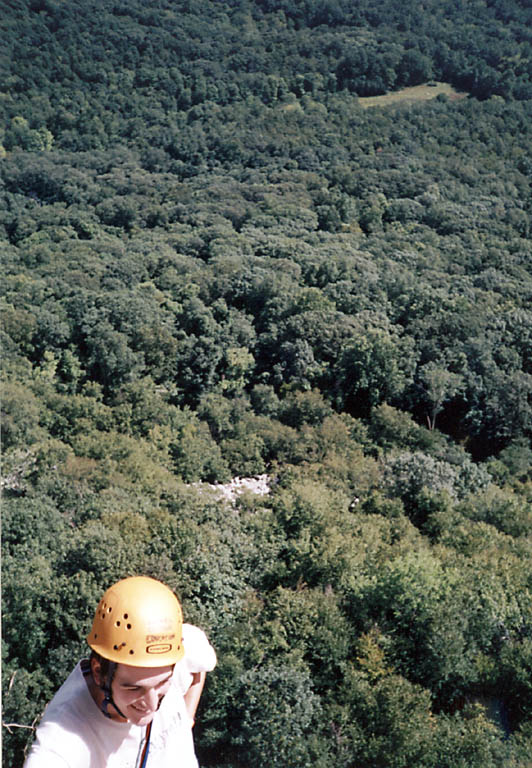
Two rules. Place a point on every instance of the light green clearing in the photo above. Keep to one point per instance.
(423, 92)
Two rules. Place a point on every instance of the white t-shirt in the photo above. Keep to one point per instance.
(74, 733)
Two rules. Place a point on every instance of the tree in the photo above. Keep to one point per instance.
(280, 717)
(111, 360)
(374, 367)
(196, 456)
(21, 412)
(439, 385)
(387, 722)
(414, 68)
(20, 135)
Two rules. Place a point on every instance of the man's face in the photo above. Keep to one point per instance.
(138, 691)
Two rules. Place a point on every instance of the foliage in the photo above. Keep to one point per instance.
(216, 271)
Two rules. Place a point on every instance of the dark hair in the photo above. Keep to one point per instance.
(105, 665)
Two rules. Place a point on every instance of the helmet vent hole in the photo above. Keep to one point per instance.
(131, 652)
(109, 609)
(128, 626)
(117, 624)
(126, 616)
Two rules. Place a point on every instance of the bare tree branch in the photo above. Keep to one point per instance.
(18, 725)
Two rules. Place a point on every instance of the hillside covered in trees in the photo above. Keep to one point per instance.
(219, 261)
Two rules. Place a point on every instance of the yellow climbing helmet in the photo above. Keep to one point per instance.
(138, 622)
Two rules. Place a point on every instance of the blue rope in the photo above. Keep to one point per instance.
(144, 758)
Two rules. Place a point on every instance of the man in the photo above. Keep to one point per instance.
(132, 705)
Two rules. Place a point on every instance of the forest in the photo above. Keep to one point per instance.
(223, 259)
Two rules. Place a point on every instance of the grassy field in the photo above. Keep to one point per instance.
(423, 92)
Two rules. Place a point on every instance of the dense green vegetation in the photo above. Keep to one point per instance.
(216, 263)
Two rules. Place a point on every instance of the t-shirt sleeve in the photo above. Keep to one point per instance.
(200, 656)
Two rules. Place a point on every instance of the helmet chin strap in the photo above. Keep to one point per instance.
(108, 695)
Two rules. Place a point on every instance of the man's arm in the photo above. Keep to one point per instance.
(193, 695)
